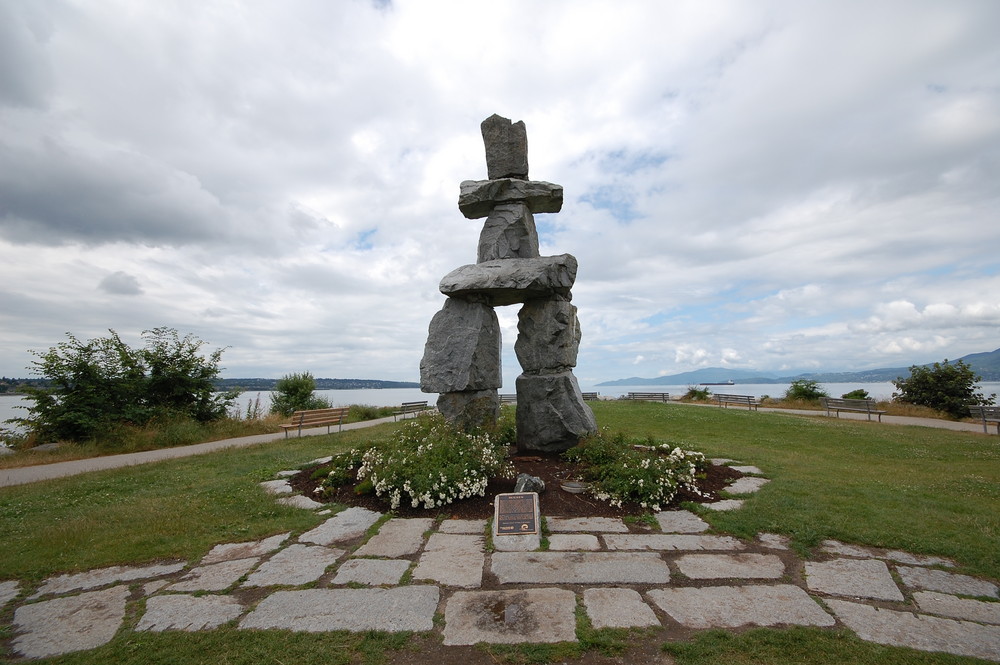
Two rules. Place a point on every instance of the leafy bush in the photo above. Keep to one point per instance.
(647, 472)
(805, 389)
(860, 393)
(696, 394)
(428, 463)
(102, 383)
(294, 392)
(947, 387)
(361, 412)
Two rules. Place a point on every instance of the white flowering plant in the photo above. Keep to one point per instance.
(643, 471)
(428, 463)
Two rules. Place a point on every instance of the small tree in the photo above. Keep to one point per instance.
(947, 387)
(294, 392)
(805, 389)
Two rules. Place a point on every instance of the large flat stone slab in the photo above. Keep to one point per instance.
(188, 613)
(248, 550)
(74, 623)
(568, 542)
(933, 602)
(665, 542)
(471, 527)
(680, 521)
(477, 198)
(294, 566)
(8, 591)
(452, 560)
(858, 578)
(917, 631)
(580, 568)
(861, 552)
(215, 576)
(397, 538)
(509, 281)
(746, 485)
(734, 606)
(346, 525)
(585, 525)
(92, 579)
(510, 617)
(725, 566)
(945, 582)
(371, 572)
(618, 608)
(321, 610)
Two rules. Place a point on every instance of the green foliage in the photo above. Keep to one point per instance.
(294, 392)
(361, 412)
(805, 389)
(860, 393)
(947, 387)
(102, 383)
(428, 462)
(644, 471)
(696, 394)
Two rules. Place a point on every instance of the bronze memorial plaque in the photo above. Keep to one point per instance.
(515, 514)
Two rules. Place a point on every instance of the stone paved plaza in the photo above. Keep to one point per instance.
(361, 571)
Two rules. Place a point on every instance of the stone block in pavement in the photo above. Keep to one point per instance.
(346, 525)
(99, 577)
(734, 606)
(214, 576)
(299, 501)
(475, 527)
(452, 560)
(618, 608)
(280, 486)
(257, 548)
(567, 542)
(397, 538)
(189, 613)
(405, 608)
(945, 582)
(746, 469)
(294, 566)
(580, 568)
(74, 623)
(725, 505)
(859, 578)
(725, 566)
(668, 542)
(918, 631)
(746, 485)
(585, 525)
(371, 572)
(9, 591)
(933, 602)
(845, 549)
(680, 521)
(773, 541)
(510, 617)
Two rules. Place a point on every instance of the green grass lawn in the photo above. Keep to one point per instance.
(918, 489)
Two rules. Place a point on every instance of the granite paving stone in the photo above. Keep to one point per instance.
(280, 486)
(346, 525)
(580, 568)
(734, 606)
(564, 542)
(858, 578)
(463, 526)
(405, 608)
(844, 549)
(214, 576)
(724, 566)
(188, 613)
(8, 591)
(452, 560)
(257, 548)
(294, 565)
(746, 485)
(725, 505)
(510, 617)
(773, 541)
(668, 542)
(618, 608)
(74, 623)
(371, 572)
(933, 602)
(299, 501)
(917, 559)
(945, 582)
(99, 577)
(680, 521)
(917, 631)
(586, 525)
(746, 468)
(397, 538)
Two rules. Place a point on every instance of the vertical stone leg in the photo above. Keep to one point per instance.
(470, 409)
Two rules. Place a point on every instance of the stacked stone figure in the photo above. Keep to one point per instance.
(462, 357)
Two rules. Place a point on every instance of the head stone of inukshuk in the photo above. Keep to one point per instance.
(461, 359)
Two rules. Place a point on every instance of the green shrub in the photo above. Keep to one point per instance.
(362, 412)
(947, 387)
(696, 394)
(644, 471)
(860, 393)
(805, 389)
(294, 392)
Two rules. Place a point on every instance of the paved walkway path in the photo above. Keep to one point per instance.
(676, 575)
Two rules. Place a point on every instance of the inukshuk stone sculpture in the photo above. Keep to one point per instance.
(462, 355)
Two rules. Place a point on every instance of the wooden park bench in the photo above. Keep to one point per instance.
(406, 408)
(591, 397)
(748, 401)
(988, 414)
(508, 398)
(650, 397)
(856, 405)
(317, 418)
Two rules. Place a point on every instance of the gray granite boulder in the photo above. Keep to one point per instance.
(548, 336)
(462, 350)
(470, 409)
(510, 281)
(506, 147)
(509, 233)
(551, 413)
(476, 198)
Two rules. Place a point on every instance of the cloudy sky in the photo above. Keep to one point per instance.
(761, 185)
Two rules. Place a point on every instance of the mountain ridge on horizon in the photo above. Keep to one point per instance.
(985, 364)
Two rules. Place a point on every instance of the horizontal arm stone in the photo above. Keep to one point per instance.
(510, 281)
(476, 198)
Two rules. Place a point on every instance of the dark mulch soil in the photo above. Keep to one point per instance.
(553, 501)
